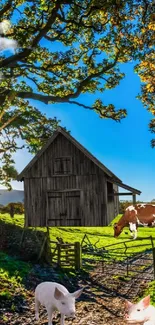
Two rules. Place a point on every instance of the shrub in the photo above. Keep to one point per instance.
(13, 208)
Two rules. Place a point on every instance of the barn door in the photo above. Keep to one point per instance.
(73, 208)
(64, 208)
(56, 209)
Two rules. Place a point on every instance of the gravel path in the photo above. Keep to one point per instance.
(101, 303)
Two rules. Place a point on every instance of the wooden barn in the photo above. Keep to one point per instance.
(65, 185)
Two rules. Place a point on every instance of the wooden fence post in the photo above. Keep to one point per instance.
(42, 248)
(153, 255)
(47, 248)
(127, 270)
(134, 198)
(59, 254)
(77, 250)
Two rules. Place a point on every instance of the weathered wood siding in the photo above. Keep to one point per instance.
(85, 176)
(110, 203)
(35, 201)
(113, 202)
(62, 147)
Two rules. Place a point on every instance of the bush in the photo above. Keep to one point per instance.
(13, 208)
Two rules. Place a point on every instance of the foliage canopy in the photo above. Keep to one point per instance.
(68, 48)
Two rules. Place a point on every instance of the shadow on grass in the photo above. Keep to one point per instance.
(13, 267)
(24, 243)
(85, 232)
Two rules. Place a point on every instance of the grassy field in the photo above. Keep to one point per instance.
(102, 236)
(13, 271)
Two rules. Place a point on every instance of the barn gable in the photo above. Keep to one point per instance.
(64, 146)
(62, 158)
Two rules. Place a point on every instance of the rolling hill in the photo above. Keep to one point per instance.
(11, 196)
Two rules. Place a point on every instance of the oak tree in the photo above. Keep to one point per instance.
(68, 48)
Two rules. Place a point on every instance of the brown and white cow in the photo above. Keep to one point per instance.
(140, 214)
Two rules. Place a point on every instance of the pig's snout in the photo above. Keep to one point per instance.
(126, 316)
(72, 314)
(128, 319)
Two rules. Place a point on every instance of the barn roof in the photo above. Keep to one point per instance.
(126, 187)
(60, 130)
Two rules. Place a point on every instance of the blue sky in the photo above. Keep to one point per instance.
(123, 147)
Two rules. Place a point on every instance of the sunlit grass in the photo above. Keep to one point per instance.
(99, 236)
(150, 291)
(13, 271)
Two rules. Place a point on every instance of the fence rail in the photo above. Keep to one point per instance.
(66, 255)
(125, 259)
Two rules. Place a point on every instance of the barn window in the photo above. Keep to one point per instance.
(62, 165)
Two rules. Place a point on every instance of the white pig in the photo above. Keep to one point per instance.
(142, 312)
(55, 296)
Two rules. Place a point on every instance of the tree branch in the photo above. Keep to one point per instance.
(9, 122)
(79, 104)
(50, 21)
(12, 146)
(6, 8)
(1, 114)
(58, 99)
(42, 98)
(18, 57)
(95, 75)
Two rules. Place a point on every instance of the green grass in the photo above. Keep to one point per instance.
(151, 291)
(101, 236)
(12, 275)
(18, 220)
(14, 271)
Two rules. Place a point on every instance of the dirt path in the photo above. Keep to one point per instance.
(102, 311)
(101, 303)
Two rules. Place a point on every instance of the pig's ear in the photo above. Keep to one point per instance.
(146, 301)
(128, 304)
(58, 295)
(77, 293)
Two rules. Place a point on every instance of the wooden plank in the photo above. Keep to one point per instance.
(64, 190)
(134, 198)
(59, 254)
(104, 206)
(67, 246)
(119, 193)
(77, 256)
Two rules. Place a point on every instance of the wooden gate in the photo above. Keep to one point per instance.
(63, 208)
(66, 255)
(129, 258)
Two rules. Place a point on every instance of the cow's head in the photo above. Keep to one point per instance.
(117, 230)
